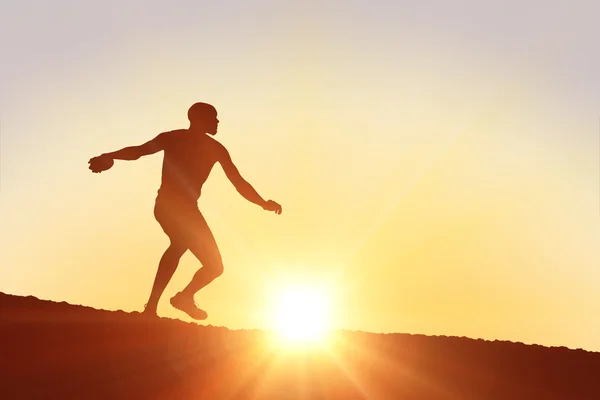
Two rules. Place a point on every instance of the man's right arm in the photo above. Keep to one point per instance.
(105, 161)
(134, 152)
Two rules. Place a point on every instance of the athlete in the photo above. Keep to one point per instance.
(189, 155)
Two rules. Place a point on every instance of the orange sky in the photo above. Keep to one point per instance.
(438, 175)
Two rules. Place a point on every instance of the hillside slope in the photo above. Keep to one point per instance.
(57, 350)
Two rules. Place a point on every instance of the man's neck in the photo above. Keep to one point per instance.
(195, 130)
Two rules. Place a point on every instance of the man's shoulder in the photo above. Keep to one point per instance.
(171, 136)
(217, 145)
(175, 133)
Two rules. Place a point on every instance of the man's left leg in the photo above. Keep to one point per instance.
(204, 246)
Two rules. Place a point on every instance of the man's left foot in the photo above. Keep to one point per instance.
(186, 304)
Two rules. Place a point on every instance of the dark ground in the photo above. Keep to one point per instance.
(60, 351)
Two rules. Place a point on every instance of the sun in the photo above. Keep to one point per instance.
(301, 315)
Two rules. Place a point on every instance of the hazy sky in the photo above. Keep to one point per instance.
(437, 162)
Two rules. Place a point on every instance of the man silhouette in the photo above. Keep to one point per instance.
(189, 155)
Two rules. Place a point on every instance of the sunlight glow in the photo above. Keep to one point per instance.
(301, 315)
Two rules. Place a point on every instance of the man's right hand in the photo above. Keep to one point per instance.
(272, 206)
(101, 163)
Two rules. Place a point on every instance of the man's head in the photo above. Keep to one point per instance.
(203, 117)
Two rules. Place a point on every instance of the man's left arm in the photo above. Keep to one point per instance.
(242, 186)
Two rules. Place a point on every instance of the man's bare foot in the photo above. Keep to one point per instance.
(186, 304)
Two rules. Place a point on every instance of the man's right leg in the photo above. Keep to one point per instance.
(166, 268)
(171, 225)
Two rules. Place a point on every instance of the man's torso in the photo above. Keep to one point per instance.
(188, 160)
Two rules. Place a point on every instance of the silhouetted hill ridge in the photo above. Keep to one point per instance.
(58, 350)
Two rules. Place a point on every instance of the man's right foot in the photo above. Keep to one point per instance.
(186, 304)
(149, 311)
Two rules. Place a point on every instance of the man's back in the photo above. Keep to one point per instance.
(188, 159)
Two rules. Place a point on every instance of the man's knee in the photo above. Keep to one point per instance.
(215, 267)
(209, 256)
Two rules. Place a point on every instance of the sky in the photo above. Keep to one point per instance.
(438, 163)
